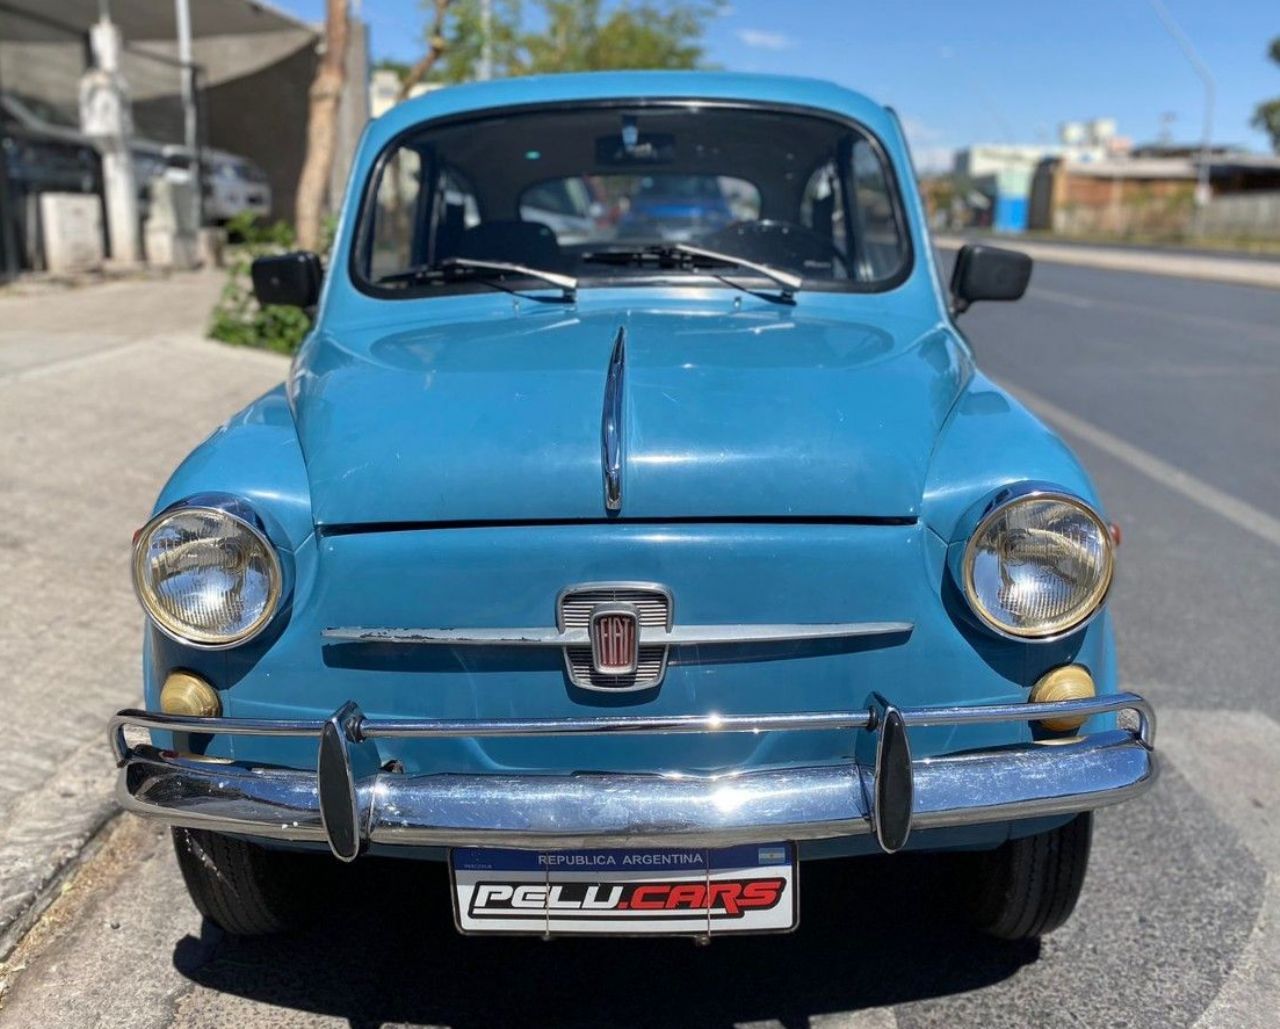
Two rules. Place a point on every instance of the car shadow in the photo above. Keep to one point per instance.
(874, 932)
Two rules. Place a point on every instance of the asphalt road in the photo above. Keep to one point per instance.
(1170, 391)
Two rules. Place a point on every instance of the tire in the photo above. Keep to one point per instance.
(245, 889)
(1028, 887)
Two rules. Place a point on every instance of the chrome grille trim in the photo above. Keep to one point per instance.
(680, 636)
(657, 633)
(654, 610)
(653, 603)
(651, 665)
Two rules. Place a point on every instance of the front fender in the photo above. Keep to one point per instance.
(989, 441)
(254, 455)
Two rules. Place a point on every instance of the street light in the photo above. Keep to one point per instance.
(1206, 76)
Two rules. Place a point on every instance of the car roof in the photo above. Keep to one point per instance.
(631, 85)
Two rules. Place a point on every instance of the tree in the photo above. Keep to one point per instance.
(1266, 116)
(436, 45)
(322, 125)
(466, 41)
(581, 36)
(573, 35)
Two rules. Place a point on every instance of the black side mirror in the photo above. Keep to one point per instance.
(289, 279)
(988, 273)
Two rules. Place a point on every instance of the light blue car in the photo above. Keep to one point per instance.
(630, 575)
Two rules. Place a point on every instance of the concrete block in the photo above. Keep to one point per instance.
(71, 231)
(170, 235)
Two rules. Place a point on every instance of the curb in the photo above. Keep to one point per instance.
(1264, 274)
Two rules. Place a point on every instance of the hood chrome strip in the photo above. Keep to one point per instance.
(611, 424)
(678, 636)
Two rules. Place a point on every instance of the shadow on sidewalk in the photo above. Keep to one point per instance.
(873, 932)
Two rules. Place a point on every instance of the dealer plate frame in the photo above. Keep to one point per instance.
(703, 931)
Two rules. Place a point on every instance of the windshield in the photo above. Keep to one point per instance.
(598, 193)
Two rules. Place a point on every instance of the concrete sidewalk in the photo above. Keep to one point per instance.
(1241, 271)
(103, 390)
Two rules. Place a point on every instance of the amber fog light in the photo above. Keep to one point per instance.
(185, 693)
(1070, 682)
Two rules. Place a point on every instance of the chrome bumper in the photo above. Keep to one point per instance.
(350, 802)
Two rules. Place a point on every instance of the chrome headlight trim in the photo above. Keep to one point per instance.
(995, 508)
(239, 512)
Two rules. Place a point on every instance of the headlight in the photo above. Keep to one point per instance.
(206, 576)
(1038, 566)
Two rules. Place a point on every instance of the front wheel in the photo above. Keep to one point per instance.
(1028, 887)
(246, 889)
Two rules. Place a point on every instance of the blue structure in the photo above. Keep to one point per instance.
(1010, 213)
(677, 546)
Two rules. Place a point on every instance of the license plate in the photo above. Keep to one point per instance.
(692, 892)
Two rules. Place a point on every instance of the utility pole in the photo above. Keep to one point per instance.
(182, 14)
(190, 125)
(1206, 77)
(486, 41)
(106, 117)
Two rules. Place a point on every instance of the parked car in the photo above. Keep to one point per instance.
(39, 156)
(233, 185)
(568, 207)
(631, 577)
(674, 207)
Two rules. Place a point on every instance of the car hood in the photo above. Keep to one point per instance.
(773, 413)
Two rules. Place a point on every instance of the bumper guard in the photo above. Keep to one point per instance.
(351, 801)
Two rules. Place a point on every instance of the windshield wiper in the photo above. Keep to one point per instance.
(670, 253)
(567, 284)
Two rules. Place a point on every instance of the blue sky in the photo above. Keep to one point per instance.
(982, 70)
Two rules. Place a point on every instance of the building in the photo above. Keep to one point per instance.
(1118, 196)
(995, 179)
(1152, 193)
(384, 91)
(250, 69)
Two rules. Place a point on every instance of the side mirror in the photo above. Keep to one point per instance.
(289, 279)
(988, 273)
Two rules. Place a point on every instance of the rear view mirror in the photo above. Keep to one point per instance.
(988, 273)
(289, 279)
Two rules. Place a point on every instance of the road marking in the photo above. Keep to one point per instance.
(1245, 515)
(1035, 293)
(1265, 333)
(1233, 758)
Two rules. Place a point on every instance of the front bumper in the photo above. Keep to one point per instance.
(350, 801)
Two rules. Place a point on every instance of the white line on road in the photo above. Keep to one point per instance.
(1233, 758)
(1246, 516)
(1267, 333)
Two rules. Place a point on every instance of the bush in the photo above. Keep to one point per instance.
(237, 317)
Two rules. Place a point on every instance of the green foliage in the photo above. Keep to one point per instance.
(576, 35)
(1266, 116)
(465, 40)
(237, 317)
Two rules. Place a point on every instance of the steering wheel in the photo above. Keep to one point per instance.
(782, 244)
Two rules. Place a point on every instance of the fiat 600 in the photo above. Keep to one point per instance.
(633, 527)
